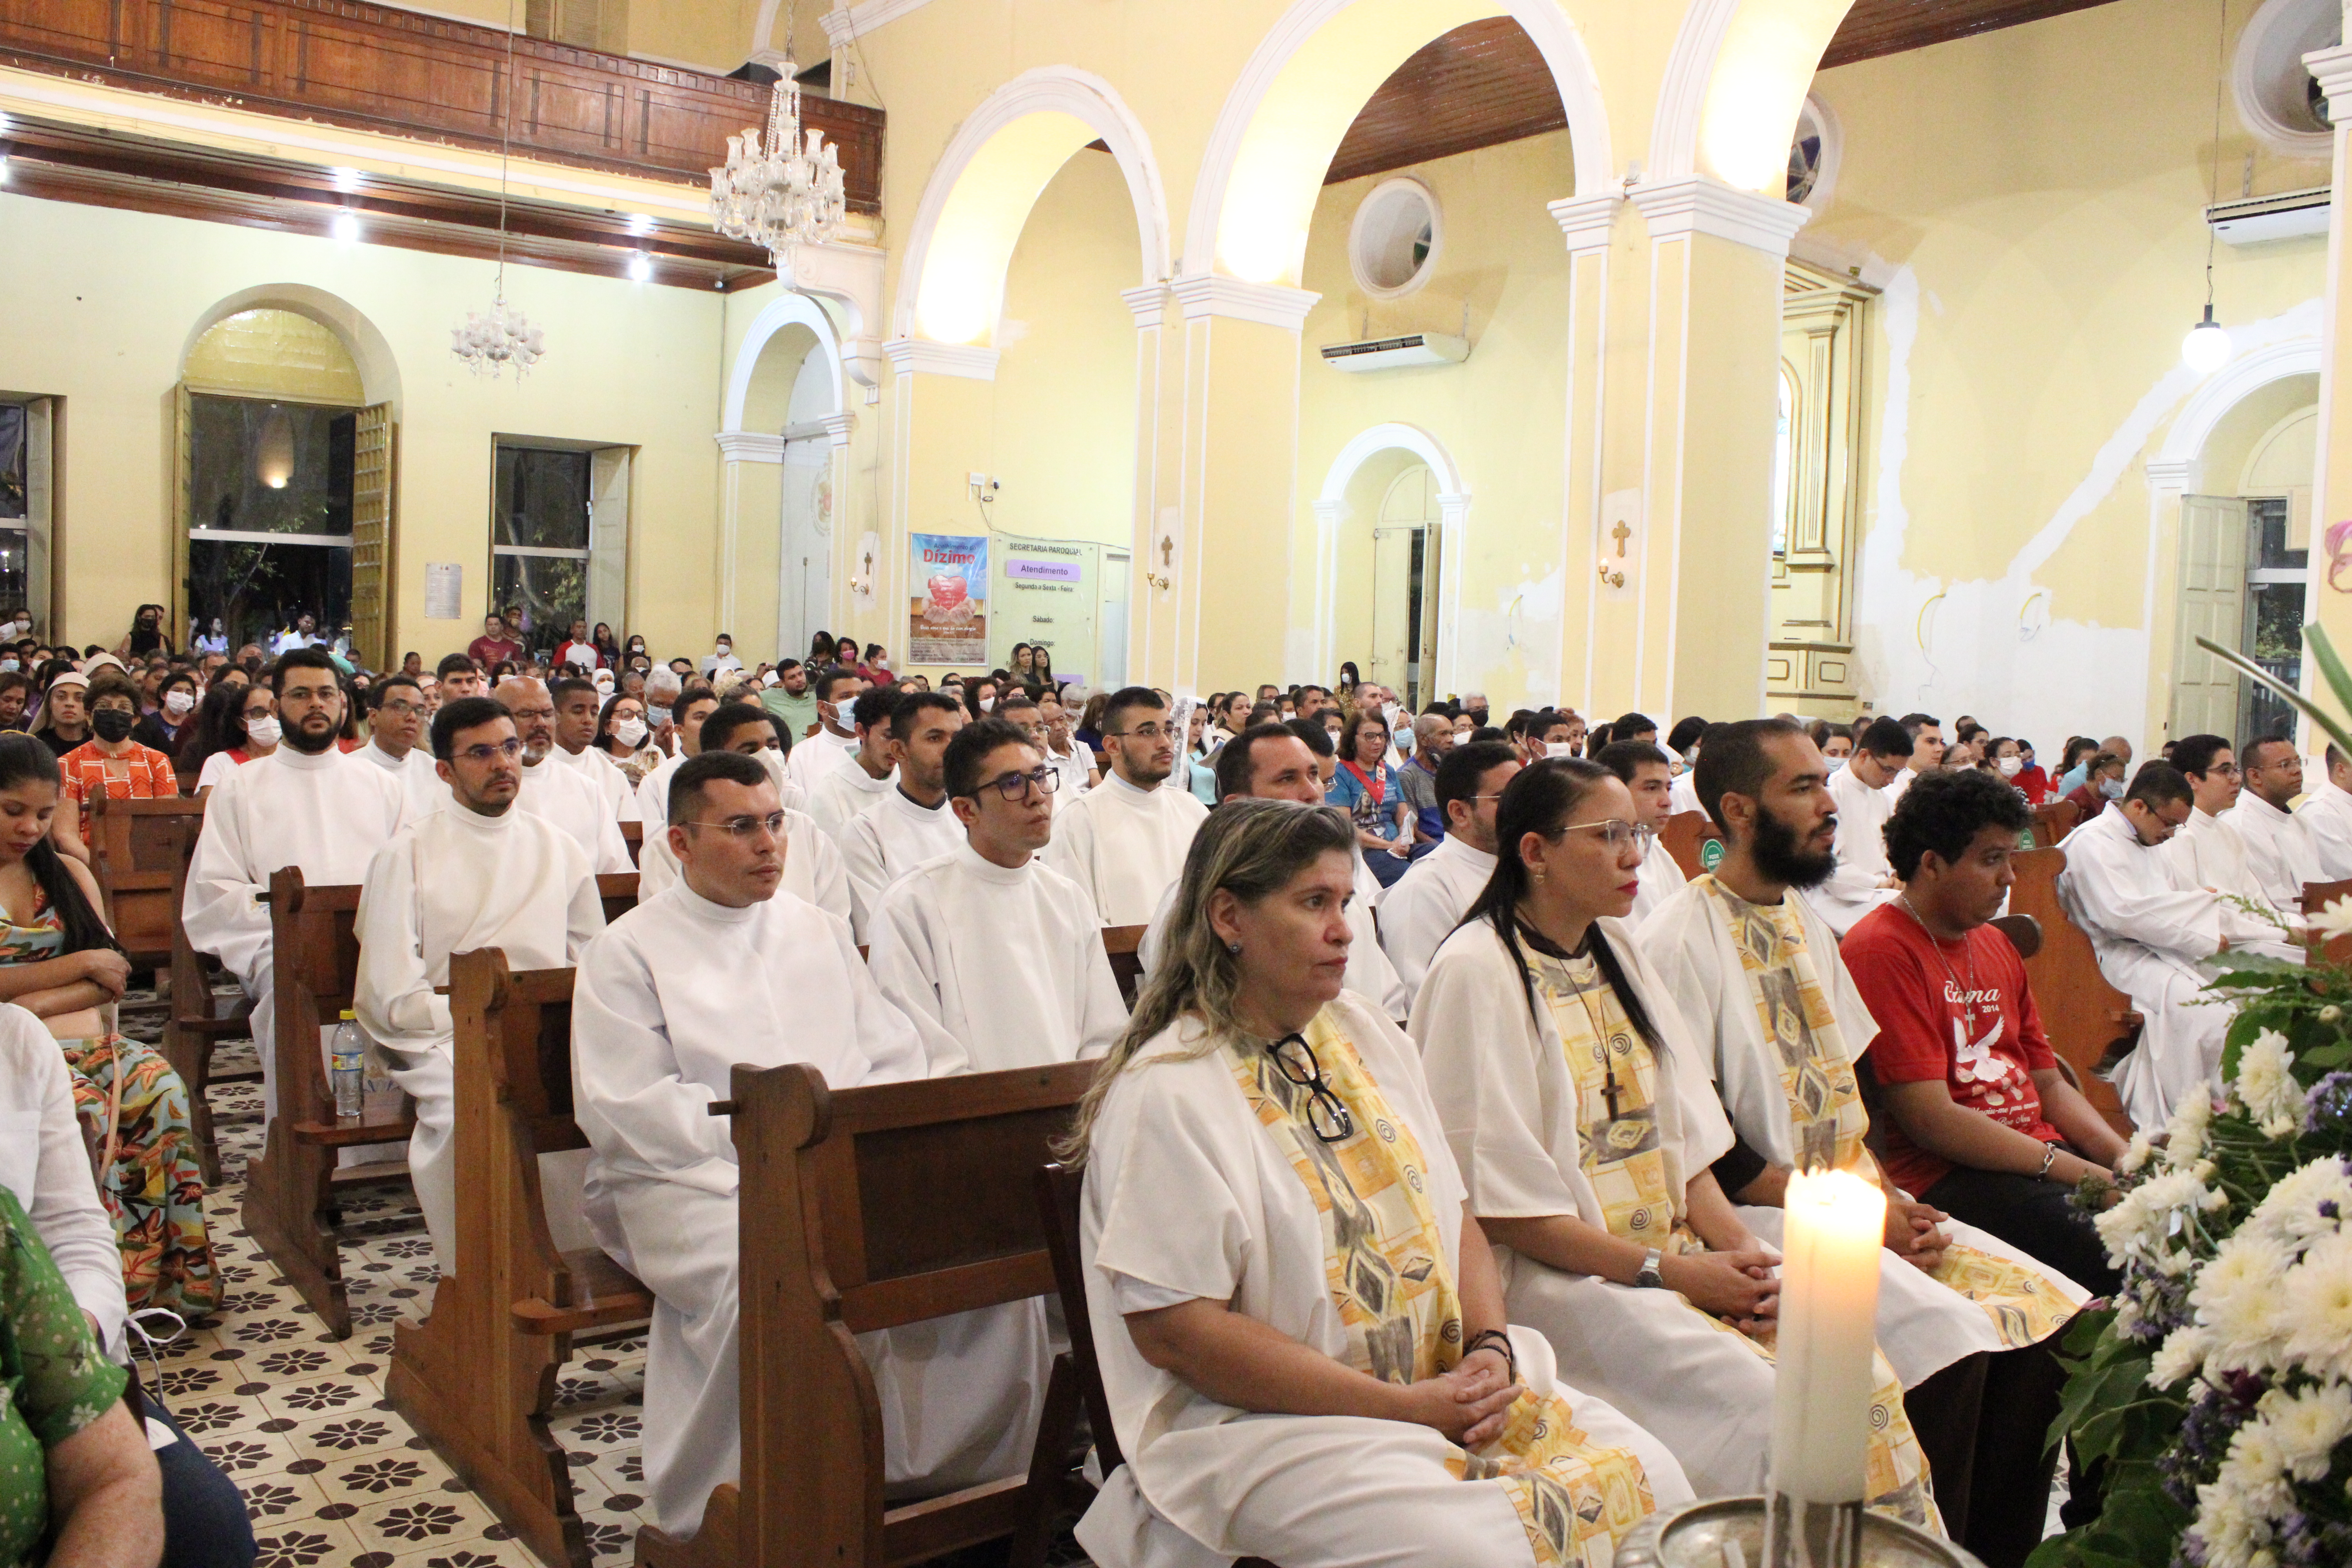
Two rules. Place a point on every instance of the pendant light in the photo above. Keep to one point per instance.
(2207, 347)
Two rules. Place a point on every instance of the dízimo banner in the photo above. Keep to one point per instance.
(947, 612)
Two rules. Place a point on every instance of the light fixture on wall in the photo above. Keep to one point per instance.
(2207, 347)
(488, 342)
(787, 191)
(273, 453)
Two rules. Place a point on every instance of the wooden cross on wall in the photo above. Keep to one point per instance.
(1621, 533)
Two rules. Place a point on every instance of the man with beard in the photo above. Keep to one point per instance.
(1125, 842)
(307, 803)
(555, 790)
(1757, 977)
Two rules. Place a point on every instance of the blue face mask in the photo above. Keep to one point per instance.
(2112, 788)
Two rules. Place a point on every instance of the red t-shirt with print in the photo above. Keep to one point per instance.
(1958, 1011)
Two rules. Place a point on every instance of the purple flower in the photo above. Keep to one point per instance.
(2329, 1106)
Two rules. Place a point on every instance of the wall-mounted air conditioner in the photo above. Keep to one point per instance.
(1396, 354)
(2255, 220)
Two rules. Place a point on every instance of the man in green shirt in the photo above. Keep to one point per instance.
(791, 700)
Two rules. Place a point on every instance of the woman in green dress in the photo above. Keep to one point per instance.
(59, 961)
(77, 1481)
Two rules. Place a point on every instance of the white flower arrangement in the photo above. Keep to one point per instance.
(2265, 1085)
(2271, 1311)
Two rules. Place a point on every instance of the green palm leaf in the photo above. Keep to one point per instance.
(2331, 670)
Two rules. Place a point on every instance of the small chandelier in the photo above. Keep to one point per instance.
(490, 343)
(785, 194)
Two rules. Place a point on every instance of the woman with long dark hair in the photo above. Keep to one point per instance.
(237, 722)
(1585, 1122)
(624, 739)
(60, 963)
(1272, 1223)
(608, 652)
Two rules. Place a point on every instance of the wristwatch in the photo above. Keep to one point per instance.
(1649, 1278)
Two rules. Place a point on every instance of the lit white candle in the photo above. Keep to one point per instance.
(1829, 1303)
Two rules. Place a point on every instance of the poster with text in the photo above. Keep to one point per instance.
(1044, 595)
(947, 612)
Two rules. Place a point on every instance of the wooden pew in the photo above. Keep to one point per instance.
(1121, 943)
(478, 1377)
(2318, 896)
(869, 1208)
(135, 853)
(2053, 820)
(2086, 1017)
(291, 1203)
(1686, 833)
(632, 833)
(192, 1027)
(1059, 1192)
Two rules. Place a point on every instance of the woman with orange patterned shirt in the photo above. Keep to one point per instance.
(110, 763)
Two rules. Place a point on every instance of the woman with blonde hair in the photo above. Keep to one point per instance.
(1300, 1328)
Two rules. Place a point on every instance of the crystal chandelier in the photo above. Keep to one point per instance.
(488, 344)
(782, 194)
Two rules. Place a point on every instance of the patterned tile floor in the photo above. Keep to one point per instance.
(333, 1476)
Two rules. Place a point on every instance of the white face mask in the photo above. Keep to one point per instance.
(2011, 766)
(724, 650)
(2112, 788)
(630, 732)
(177, 702)
(264, 730)
(987, 704)
(1560, 749)
(1690, 754)
(1837, 763)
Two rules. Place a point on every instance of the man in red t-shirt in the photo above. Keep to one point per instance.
(494, 644)
(1979, 1121)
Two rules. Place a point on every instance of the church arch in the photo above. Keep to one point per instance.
(1309, 78)
(1381, 454)
(979, 197)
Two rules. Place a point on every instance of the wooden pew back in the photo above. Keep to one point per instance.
(870, 1208)
(135, 851)
(1121, 943)
(2082, 1014)
(1686, 835)
(2053, 820)
(619, 891)
(632, 833)
(315, 963)
(2317, 896)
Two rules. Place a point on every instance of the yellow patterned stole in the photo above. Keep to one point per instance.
(1621, 1157)
(1385, 1264)
(1825, 1108)
(1619, 1149)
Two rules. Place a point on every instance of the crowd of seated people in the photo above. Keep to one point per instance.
(1461, 925)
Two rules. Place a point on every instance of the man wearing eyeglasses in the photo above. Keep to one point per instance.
(1125, 841)
(716, 971)
(911, 823)
(1420, 909)
(476, 873)
(1000, 950)
(561, 794)
(2159, 938)
(308, 804)
(394, 731)
(2207, 852)
(813, 868)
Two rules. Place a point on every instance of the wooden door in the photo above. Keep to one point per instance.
(2212, 575)
(373, 581)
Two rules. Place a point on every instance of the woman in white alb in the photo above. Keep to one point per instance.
(1584, 1123)
(1300, 1330)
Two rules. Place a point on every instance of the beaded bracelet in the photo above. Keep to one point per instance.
(1498, 1341)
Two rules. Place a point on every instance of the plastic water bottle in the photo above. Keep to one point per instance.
(347, 1068)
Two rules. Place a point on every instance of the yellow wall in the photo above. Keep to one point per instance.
(1501, 414)
(2031, 202)
(1064, 444)
(104, 303)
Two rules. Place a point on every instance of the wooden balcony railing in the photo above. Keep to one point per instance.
(377, 68)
